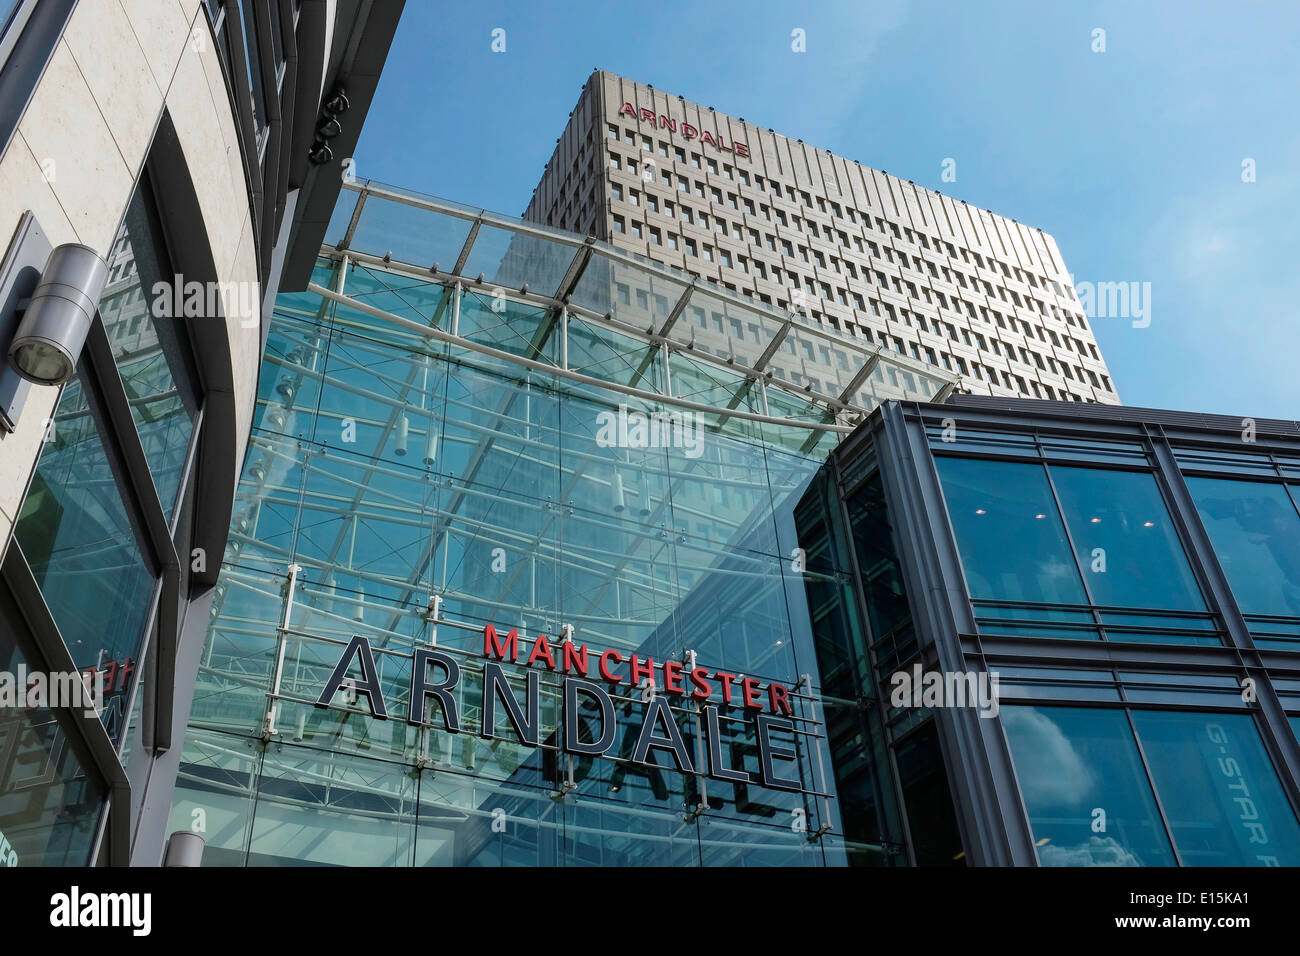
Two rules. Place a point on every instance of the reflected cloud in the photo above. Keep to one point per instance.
(1049, 767)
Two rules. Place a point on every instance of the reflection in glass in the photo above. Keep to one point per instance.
(1125, 539)
(1219, 790)
(1009, 533)
(147, 335)
(49, 802)
(1088, 799)
(1255, 530)
(77, 537)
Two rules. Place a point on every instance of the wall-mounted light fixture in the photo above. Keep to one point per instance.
(54, 326)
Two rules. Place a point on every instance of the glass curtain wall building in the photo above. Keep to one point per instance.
(471, 421)
(1131, 576)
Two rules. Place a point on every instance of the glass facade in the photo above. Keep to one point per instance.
(435, 454)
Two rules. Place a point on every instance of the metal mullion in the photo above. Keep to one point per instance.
(346, 241)
(469, 245)
(1074, 551)
(574, 273)
(678, 308)
(1151, 782)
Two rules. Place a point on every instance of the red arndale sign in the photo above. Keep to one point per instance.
(588, 708)
(688, 131)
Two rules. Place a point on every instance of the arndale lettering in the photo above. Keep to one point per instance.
(769, 704)
(688, 131)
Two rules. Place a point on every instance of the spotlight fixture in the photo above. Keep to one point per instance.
(320, 154)
(337, 102)
(431, 446)
(53, 330)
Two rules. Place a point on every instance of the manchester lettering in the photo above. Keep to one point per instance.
(515, 700)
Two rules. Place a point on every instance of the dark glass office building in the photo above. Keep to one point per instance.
(1131, 576)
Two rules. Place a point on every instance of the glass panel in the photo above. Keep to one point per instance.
(148, 338)
(991, 503)
(75, 533)
(882, 578)
(49, 800)
(513, 327)
(341, 218)
(253, 62)
(928, 798)
(1255, 530)
(1125, 539)
(390, 470)
(322, 808)
(217, 776)
(1219, 789)
(413, 235)
(515, 259)
(1088, 798)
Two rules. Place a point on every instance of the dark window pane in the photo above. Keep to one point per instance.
(1125, 539)
(928, 798)
(1088, 799)
(1012, 542)
(137, 307)
(1255, 530)
(1219, 790)
(882, 580)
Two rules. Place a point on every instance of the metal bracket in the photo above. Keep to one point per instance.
(20, 272)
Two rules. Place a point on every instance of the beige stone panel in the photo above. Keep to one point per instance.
(22, 187)
(162, 29)
(113, 64)
(222, 194)
(63, 126)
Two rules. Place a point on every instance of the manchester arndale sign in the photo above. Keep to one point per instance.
(688, 131)
(768, 704)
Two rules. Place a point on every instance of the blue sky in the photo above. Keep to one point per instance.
(1131, 158)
